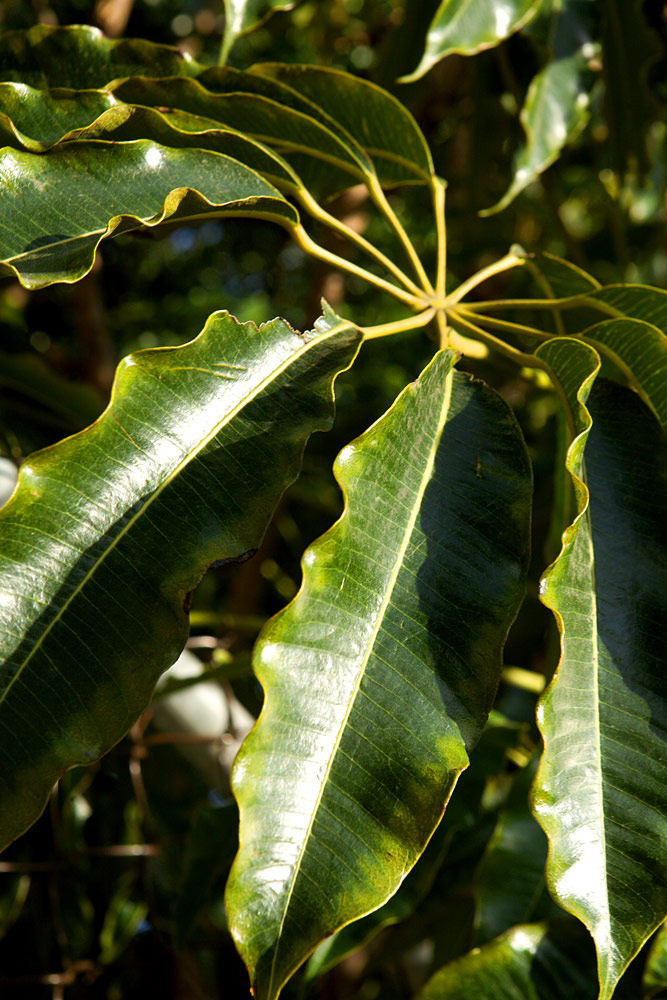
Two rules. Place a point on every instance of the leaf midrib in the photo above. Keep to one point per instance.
(185, 461)
(398, 563)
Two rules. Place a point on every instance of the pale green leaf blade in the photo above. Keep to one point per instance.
(81, 58)
(600, 793)
(379, 123)
(470, 26)
(547, 961)
(55, 208)
(557, 104)
(109, 532)
(380, 674)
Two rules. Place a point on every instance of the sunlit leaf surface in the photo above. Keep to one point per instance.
(469, 26)
(109, 532)
(600, 793)
(380, 674)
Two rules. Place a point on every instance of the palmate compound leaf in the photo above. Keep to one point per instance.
(109, 531)
(56, 207)
(380, 674)
(600, 793)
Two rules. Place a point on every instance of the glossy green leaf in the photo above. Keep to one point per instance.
(374, 118)
(81, 58)
(640, 351)
(547, 961)
(109, 532)
(463, 810)
(244, 15)
(635, 339)
(556, 108)
(54, 238)
(324, 154)
(600, 793)
(469, 26)
(35, 119)
(380, 674)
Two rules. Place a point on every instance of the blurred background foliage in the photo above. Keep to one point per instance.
(117, 891)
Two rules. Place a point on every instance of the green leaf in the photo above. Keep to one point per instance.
(635, 339)
(374, 118)
(109, 532)
(470, 26)
(380, 674)
(556, 108)
(81, 58)
(547, 961)
(486, 763)
(34, 119)
(323, 153)
(600, 793)
(54, 238)
(640, 351)
(244, 15)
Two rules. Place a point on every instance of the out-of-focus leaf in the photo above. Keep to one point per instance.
(509, 883)
(547, 961)
(211, 846)
(380, 674)
(109, 532)
(556, 108)
(655, 970)
(469, 26)
(81, 58)
(28, 376)
(122, 919)
(628, 48)
(57, 207)
(600, 792)
(382, 126)
(244, 15)
(15, 889)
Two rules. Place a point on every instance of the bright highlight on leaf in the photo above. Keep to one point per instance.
(109, 532)
(600, 792)
(380, 675)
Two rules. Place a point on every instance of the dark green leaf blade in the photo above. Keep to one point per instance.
(600, 793)
(380, 674)
(469, 26)
(54, 238)
(382, 126)
(547, 961)
(81, 58)
(556, 108)
(109, 531)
